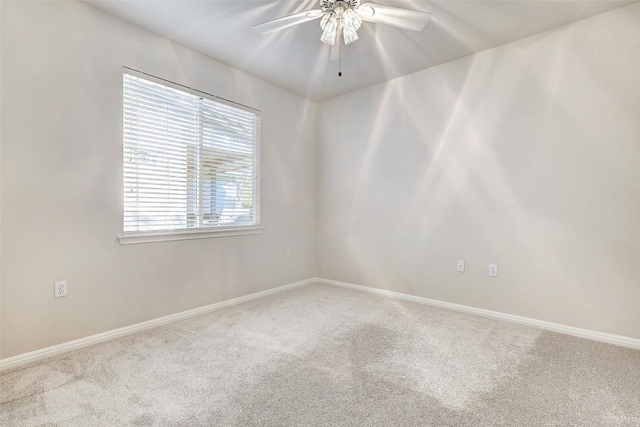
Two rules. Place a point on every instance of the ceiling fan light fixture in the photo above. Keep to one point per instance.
(329, 25)
(350, 19)
(346, 16)
(329, 37)
(350, 35)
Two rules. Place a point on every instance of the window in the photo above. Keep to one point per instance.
(191, 160)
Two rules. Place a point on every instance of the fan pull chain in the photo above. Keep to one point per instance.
(339, 60)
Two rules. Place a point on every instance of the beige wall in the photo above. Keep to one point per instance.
(62, 182)
(527, 156)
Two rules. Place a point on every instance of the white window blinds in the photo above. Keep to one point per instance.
(191, 161)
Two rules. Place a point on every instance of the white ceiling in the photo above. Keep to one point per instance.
(295, 59)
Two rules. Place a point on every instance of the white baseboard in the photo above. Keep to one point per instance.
(540, 324)
(33, 356)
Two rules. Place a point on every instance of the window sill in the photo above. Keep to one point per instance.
(169, 236)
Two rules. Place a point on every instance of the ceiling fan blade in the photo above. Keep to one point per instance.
(404, 18)
(288, 21)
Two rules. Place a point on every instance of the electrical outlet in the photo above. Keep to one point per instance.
(460, 266)
(289, 253)
(60, 289)
(493, 270)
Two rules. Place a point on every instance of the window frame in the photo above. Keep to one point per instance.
(133, 237)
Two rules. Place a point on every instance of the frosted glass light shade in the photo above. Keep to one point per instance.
(350, 35)
(350, 19)
(328, 37)
(329, 25)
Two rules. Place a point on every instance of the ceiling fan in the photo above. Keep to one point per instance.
(345, 17)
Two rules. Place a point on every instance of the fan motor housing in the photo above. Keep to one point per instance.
(327, 5)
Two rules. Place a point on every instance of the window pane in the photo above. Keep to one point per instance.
(189, 161)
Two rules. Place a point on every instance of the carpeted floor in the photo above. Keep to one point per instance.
(320, 355)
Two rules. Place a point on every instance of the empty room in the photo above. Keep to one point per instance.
(319, 213)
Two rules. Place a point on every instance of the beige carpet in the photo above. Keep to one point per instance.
(321, 355)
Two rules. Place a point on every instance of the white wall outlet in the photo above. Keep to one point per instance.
(460, 266)
(289, 253)
(60, 289)
(493, 270)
